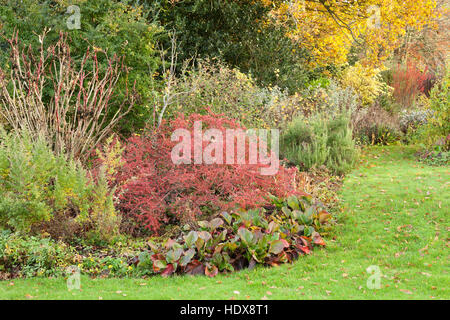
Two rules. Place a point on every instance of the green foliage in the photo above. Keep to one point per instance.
(439, 124)
(37, 187)
(365, 234)
(278, 234)
(110, 26)
(342, 151)
(35, 183)
(215, 86)
(320, 140)
(411, 120)
(22, 256)
(430, 127)
(240, 239)
(237, 33)
(103, 266)
(435, 157)
(27, 256)
(305, 143)
(103, 214)
(327, 96)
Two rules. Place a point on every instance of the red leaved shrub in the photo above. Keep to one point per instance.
(154, 190)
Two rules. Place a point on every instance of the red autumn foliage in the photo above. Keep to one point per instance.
(408, 82)
(156, 191)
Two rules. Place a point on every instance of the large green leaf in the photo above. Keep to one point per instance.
(191, 238)
(246, 236)
(215, 223)
(292, 202)
(276, 247)
(227, 217)
(188, 255)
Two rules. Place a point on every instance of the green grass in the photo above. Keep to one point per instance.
(394, 216)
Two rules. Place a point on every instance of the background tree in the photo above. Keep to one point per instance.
(236, 32)
(329, 28)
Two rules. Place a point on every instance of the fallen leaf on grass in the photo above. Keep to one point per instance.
(406, 291)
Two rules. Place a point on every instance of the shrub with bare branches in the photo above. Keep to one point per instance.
(48, 94)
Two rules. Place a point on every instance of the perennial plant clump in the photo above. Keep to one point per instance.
(279, 233)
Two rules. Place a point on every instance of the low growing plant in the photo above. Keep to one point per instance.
(23, 256)
(44, 192)
(280, 233)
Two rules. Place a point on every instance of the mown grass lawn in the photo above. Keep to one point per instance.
(395, 216)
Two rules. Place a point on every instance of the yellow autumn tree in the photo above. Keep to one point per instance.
(329, 28)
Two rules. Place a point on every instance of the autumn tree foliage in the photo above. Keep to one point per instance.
(155, 190)
(329, 28)
(429, 45)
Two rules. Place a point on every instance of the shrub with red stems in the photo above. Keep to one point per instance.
(46, 93)
(408, 82)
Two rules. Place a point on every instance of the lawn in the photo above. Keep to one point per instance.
(394, 216)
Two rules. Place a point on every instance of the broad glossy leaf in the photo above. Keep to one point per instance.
(203, 224)
(292, 202)
(159, 265)
(168, 270)
(246, 236)
(174, 255)
(195, 268)
(188, 255)
(205, 235)
(317, 239)
(276, 247)
(191, 238)
(287, 211)
(170, 243)
(215, 223)
(227, 217)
